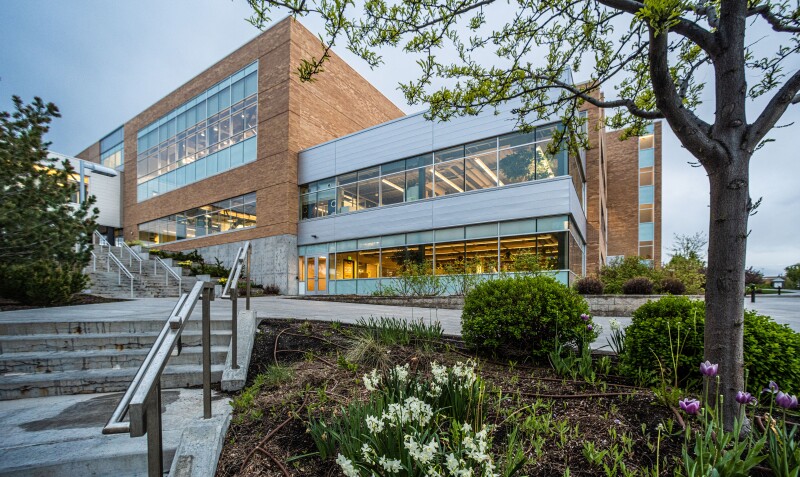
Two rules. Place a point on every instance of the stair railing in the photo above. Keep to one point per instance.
(231, 291)
(141, 402)
(121, 267)
(168, 271)
(94, 261)
(99, 239)
(132, 256)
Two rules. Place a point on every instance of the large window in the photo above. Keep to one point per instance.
(112, 150)
(494, 162)
(207, 135)
(647, 194)
(224, 216)
(516, 246)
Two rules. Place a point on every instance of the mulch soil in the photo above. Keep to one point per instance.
(275, 441)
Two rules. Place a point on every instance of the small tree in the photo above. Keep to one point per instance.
(41, 229)
(753, 277)
(793, 275)
(692, 247)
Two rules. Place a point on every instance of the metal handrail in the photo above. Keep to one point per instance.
(101, 241)
(142, 400)
(121, 267)
(231, 291)
(169, 271)
(94, 261)
(131, 255)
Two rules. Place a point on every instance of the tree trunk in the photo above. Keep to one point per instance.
(727, 245)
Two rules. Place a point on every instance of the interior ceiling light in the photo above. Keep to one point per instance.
(486, 169)
(448, 181)
(393, 185)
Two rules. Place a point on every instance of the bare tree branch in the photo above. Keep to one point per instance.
(691, 130)
(691, 30)
(775, 21)
(788, 94)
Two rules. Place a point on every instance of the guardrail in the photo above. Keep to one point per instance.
(131, 255)
(98, 238)
(167, 272)
(142, 400)
(122, 269)
(231, 291)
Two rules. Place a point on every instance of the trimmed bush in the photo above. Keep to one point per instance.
(673, 286)
(41, 283)
(771, 350)
(638, 286)
(620, 271)
(522, 315)
(589, 286)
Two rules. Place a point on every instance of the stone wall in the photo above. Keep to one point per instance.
(622, 305)
(599, 305)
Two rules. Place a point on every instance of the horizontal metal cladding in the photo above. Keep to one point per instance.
(526, 200)
(577, 212)
(402, 138)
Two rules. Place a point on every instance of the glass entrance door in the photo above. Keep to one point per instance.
(317, 275)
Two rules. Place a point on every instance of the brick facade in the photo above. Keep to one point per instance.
(291, 116)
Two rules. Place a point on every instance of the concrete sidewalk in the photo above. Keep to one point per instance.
(62, 435)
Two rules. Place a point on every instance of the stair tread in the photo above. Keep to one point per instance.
(87, 375)
(57, 336)
(79, 354)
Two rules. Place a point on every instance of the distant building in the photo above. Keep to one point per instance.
(337, 189)
(105, 184)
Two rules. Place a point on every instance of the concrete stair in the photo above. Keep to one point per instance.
(150, 283)
(62, 356)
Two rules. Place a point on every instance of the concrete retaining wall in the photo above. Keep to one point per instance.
(599, 305)
(273, 262)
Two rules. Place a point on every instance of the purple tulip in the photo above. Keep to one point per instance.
(772, 388)
(786, 401)
(589, 327)
(585, 317)
(708, 369)
(689, 406)
(745, 398)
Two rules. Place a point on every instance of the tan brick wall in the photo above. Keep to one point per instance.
(291, 116)
(623, 195)
(596, 210)
(91, 153)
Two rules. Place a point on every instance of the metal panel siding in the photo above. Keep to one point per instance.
(537, 199)
(317, 163)
(470, 128)
(576, 210)
(395, 140)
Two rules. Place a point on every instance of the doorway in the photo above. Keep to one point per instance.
(316, 275)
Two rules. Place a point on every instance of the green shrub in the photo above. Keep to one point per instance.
(638, 286)
(690, 271)
(523, 315)
(41, 283)
(771, 350)
(589, 286)
(672, 286)
(617, 273)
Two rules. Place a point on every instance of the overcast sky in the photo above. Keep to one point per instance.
(102, 62)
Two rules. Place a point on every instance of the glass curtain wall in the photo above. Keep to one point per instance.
(494, 162)
(224, 216)
(205, 136)
(520, 246)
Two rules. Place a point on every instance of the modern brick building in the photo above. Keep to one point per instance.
(336, 188)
